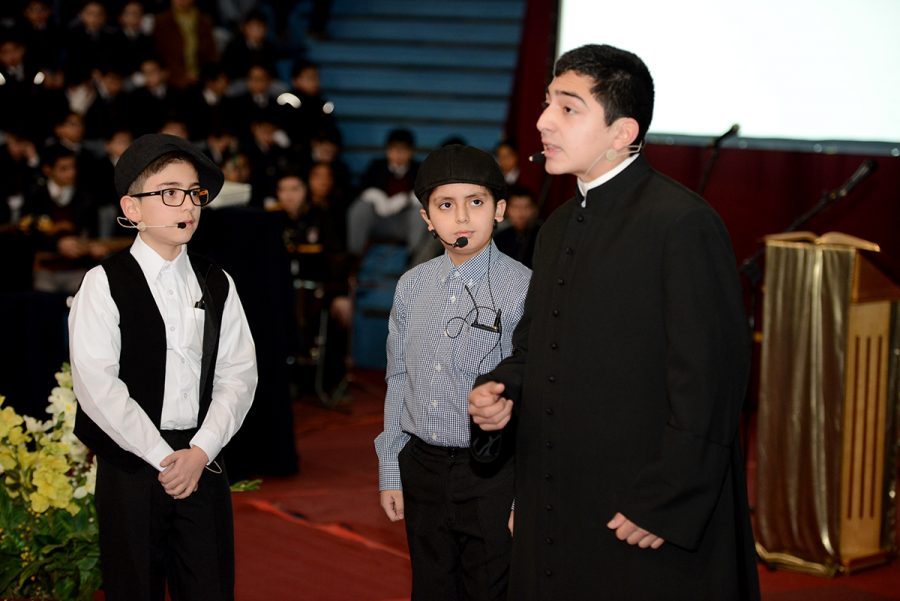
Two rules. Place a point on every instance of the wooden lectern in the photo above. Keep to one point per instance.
(827, 423)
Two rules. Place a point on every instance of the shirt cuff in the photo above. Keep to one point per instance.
(158, 453)
(208, 442)
(389, 476)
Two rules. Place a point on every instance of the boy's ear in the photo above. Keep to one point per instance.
(627, 132)
(131, 208)
(500, 210)
(424, 214)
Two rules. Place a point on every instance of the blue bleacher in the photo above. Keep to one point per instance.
(439, 68)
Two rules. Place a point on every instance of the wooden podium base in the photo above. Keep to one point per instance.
(847, 566)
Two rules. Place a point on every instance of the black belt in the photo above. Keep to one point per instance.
(436, 450)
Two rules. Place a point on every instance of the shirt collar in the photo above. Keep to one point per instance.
(472, 269)
(152, 264)
(585, 187)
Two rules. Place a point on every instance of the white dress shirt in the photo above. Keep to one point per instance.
(95, 345)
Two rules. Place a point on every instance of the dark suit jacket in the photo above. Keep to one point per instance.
(629, 374)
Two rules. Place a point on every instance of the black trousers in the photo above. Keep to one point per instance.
(148, 539)
(456, 514)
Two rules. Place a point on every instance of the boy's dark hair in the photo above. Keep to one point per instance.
(509, 143)
(255, 15)
(401, 136)
(459, 164)
(54, 153)
(622, 82)
(520, 191)
(300, 66)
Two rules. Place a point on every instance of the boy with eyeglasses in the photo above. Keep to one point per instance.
(164, 368)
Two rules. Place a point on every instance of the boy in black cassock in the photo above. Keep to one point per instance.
(624, 393)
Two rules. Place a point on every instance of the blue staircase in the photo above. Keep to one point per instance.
(439, 68)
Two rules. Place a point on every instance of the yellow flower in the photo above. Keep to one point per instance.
(52, 485)
(17, 436)
(7, 460)
(36, 426)
(64, 377)
(39, 503)
(8, 419)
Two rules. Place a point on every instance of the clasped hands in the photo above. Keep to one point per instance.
(491, 411)
(182, 472)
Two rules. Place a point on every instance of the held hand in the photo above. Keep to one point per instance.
(392, 503)
(488, 408)
(633, 534)
(511, 522)
(183, 471)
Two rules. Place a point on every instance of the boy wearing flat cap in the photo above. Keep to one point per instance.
(164, 369)
(452, 319)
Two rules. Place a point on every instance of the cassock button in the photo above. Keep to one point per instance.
(551, 379)
(549, 410)
(548, 444)
(570, 250)
(580, 218)
(555, 312)
(548, 507)
(554, 346)
(548, 573)
(548, 540)
(560, 281)
(548, 476)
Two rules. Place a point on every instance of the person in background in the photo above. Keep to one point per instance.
(385, 210)
(133, 44)
(518, 239)
(508, 158)
(250, 47)
(183, 38)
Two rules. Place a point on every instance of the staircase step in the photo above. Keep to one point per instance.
(461, 33)
(411, 54)
(460, 8)
(421, 107)
(341, 78)
(371, 134)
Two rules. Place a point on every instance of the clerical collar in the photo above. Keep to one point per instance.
(584, 188)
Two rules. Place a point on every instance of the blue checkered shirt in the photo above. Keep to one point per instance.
(434, 354)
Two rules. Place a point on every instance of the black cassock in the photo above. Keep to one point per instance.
(629, 375)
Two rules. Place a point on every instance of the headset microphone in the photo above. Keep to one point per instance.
(141, 226)
(461, 242)
(537, 158)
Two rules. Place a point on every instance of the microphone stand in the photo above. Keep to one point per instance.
(713, 157)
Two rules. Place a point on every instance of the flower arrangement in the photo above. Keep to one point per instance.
(49, 547)
(49, 542)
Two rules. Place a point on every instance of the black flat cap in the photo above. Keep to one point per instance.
(150, 147)
(458, 164)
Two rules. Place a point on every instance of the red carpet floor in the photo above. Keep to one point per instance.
(321, 535)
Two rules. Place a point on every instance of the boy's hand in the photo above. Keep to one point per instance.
(511, 522)
(628, 531)
(392, 503)
(488, 408)
(183, 471)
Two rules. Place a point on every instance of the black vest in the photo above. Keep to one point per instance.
(142, 360)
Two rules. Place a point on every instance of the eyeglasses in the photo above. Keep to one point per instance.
(199, 196)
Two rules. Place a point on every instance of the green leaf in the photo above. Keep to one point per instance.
(246, 485)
